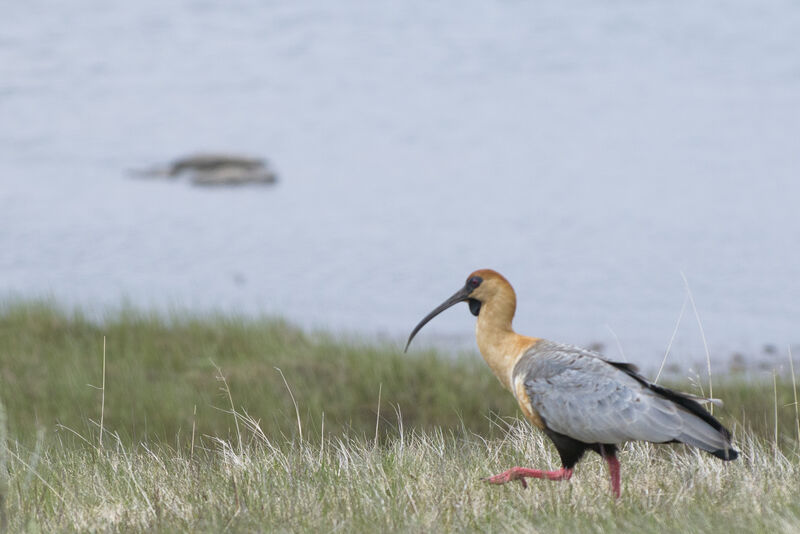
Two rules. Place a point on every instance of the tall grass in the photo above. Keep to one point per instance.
(160, 369)
(416, 481)
(222, 423)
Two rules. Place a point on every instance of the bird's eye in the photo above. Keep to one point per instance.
(475, 281)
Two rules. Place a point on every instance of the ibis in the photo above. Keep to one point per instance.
(579, 399)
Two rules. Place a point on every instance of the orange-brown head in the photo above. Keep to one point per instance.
(485, 290)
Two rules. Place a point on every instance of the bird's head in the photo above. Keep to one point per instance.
(481, 287)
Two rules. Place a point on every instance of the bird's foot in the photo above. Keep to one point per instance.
(521, 473)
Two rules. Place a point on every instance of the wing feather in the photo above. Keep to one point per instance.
(580, 394)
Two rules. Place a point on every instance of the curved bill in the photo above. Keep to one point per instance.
(460, 296)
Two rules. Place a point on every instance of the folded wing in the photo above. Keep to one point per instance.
(581, 395)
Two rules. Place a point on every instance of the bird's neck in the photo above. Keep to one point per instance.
(500, 346)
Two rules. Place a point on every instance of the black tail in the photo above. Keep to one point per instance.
(726, 454)
(691, 406)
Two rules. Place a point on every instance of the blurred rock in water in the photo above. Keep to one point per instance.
(214, 169)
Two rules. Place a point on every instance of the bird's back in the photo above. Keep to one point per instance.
(580, 394)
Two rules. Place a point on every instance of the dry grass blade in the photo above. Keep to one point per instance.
(775, 391)
(703, 336)
(671, 339)
(227, 390)
(102, 396)
(194, 428)
(378, 416)
(294, 402)
(794, 392)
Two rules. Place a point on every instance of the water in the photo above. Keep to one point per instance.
(591, 153)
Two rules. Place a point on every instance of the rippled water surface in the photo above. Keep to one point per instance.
(591, 153)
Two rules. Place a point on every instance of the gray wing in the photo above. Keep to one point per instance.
(578, 393)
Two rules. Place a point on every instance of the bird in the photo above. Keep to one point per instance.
(581, 400)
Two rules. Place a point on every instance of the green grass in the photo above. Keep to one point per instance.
(239, 462)
(158, 369)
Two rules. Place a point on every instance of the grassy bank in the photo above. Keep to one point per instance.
(201, 432)
(159, 370)
(163, 378)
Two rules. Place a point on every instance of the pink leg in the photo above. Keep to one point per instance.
(520, 473)
(613, 469)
